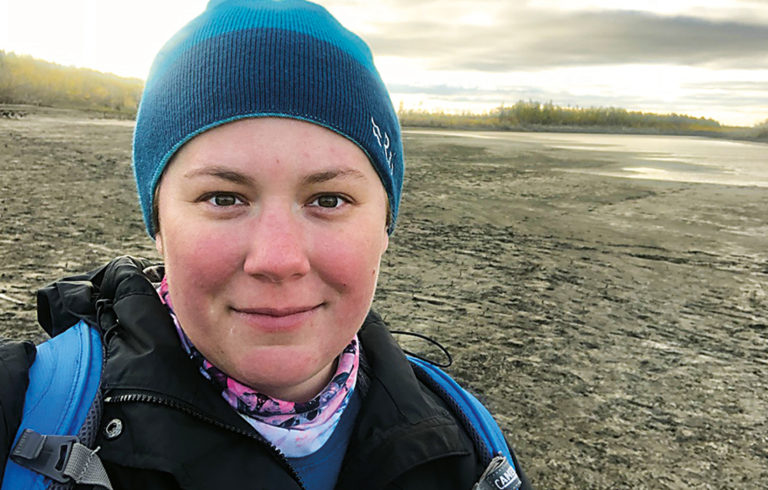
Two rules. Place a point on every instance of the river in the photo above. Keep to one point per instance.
(668, 158)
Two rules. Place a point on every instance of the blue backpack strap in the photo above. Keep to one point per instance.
(479, 424)
(63, 388)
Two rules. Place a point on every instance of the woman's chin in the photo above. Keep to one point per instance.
(286, 373)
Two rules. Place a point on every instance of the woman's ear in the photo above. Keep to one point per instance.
(159, 244)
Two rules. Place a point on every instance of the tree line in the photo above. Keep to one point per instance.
(537, 116)
(548, 114)
(26, 80)
(532, 114)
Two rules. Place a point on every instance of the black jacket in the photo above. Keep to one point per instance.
(176, 431)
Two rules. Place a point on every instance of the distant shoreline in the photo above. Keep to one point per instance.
(737, 134)
(19, 111)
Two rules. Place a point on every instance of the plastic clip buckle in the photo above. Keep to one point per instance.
(47, 455)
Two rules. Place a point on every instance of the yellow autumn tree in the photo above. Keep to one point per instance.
(26, 80)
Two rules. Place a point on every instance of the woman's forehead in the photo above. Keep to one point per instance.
(265, 133)
(235, 150)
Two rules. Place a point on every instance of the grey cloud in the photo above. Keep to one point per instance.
(539, 40)
(438, 90)
(508, 96)
(472, 94)
(731, 99)
(735, 93)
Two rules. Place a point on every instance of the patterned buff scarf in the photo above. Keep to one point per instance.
(297, 429)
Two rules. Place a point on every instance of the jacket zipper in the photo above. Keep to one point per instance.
(146, 398)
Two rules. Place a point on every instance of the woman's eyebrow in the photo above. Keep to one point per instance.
(221, 173)
(324, 176)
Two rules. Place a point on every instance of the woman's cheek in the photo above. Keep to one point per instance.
(348, 262)
(203, 259)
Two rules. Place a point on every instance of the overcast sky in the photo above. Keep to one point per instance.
(699, 57)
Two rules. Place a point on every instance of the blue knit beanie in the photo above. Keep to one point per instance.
(257, 58)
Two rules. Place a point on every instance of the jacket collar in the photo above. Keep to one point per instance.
(401, 423)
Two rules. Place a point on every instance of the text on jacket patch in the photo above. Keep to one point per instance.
(508, 478)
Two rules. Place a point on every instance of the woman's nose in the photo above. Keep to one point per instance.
(277, 248)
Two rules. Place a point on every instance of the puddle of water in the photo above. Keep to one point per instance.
(668, 158)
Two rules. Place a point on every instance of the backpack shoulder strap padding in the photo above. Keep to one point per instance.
(477, 415)
(478, 422)
(63, 387)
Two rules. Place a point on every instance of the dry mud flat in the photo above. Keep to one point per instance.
(618, 328)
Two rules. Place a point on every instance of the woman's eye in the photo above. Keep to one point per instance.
(224, 200)
(328, 201)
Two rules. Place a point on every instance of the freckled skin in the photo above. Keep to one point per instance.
(269, 282)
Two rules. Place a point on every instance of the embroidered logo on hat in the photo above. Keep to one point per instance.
(385, 144)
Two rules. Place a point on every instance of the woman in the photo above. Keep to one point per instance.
(269, 167)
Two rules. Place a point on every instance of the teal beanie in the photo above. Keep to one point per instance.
(259, 58)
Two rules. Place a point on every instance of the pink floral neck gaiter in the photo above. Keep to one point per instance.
(297, 429)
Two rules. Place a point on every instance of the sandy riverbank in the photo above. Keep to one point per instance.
(619, 328)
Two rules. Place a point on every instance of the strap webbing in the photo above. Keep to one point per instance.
(85, 467)
(61, 458)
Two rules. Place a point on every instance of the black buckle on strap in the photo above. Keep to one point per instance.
(47, 455)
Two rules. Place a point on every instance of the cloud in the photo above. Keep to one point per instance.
(440, 90)
(474, 95)
(508, 96)
(732, 85)
(526, 39)
(742, 92)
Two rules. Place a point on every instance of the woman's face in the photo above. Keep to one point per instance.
(272, 231)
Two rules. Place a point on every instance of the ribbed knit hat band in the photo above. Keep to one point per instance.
(259, 58)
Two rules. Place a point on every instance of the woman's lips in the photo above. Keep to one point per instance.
(277, 319)
(276, 311)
